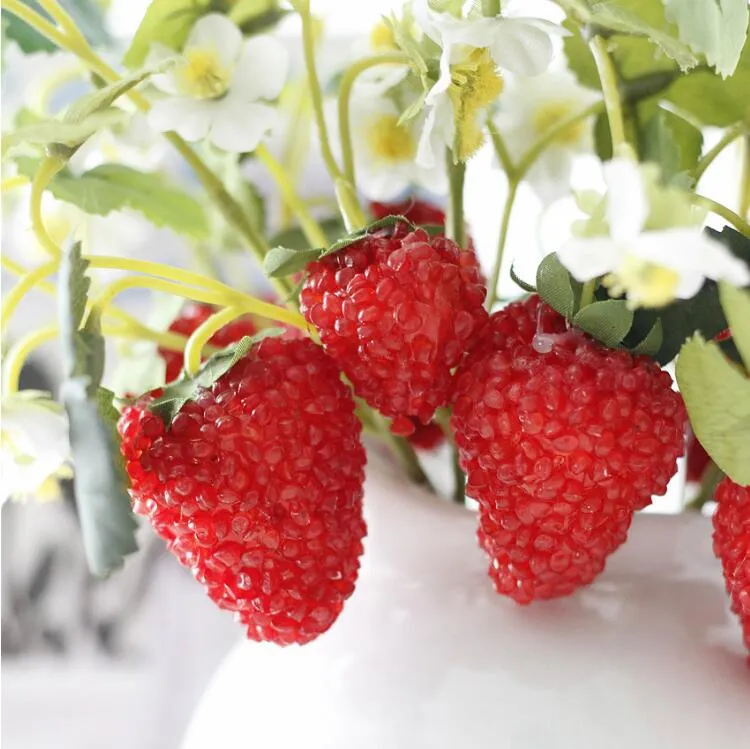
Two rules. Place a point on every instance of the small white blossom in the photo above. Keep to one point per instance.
(530, 107)
(650, 267)
(221, 89)
(34, 445)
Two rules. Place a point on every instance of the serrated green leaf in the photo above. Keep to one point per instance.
(736, 306)
(717, 398)
(651, 344)
(283, 261)
(178, 393)
(715, 28)
(671, 142)
(520, 282)
(557, 287)
(387, 222)
(72, 293)
(167, 22)
(608, 322)
(104, 511)
(68, 134)
(112, 187)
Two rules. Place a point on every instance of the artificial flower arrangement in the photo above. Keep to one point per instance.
(245, 453)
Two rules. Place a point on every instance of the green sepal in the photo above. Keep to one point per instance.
(608, 321)
(557, 287)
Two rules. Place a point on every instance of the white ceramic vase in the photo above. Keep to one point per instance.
(427, 656)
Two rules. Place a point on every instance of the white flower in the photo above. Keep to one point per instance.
(530, 107)
(650, 267)
(34, 445)
(221, 88)
(473, 49)
(384, 150)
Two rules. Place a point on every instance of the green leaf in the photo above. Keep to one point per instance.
(68, 134)
(112, 187)
(603, 138)
(622, 19)
(715, 28)
(177, 394)
(520, 282)
(717, 398)
(736, 305)
(671, 142)
(283, 261)
(167, 22)
(557, 287)
(387, 222)
(651, 344)
(107, 523)
(295, 239)
(710, 99)
(607, 321)
(255, 16)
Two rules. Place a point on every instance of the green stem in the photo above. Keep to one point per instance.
(459, 488)
(727, 214)
(501, 151)
(491, 8)
(610, 90)
(745, 180)
(345, 94)
(711, 479)
(587, 293)
(502, 241)
(403, 451)
(455, 225)
(730, 134)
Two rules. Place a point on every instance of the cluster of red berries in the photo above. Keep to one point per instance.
(257, 482)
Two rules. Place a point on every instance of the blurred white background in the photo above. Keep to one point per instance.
(78, 671)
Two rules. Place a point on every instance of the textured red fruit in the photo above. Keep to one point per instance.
(418, 212)
(427, 436)
(396, 312)
(732, 546)
(560, 448)
(257, 488)
(191, 317)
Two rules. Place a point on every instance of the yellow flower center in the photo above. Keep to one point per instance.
(381, 37)
(646, 284)
(388, 141)
(475, 84)
(203, 76)
(550, 114)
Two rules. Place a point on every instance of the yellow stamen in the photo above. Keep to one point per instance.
(551, 113)
(646, 284)
(203, 76)
(475, 84)
(390, 142)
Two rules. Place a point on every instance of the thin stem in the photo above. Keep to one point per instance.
(455, 225)
(727, 214)
(344, 101)
(587, 293)
(11, 183)
(24, 285)
(18, 354)
(502, 241)
(308, 42)
(349, 207)
(711, 478)
(19, 270)
(459, 487)
(44, 175)
(730, 134)
(310, 227)
(610, 89)
(403, 452)
(745, 179)
(501, 151)
(64, 21)
(33, 19)
(202, 334)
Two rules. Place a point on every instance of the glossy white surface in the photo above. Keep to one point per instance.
(427, 656)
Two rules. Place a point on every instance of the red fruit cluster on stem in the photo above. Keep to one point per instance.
(732, 546)
(397, 311)
(256, 486)
(560, 448)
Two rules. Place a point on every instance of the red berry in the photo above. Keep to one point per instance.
(191, 317)
(418, 212)
(427, 436)
(396, 312)
(560, 448)
(257, 487)
(732, 546)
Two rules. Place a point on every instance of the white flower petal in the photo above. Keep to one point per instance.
(189, 118)
(262, 69)
(590, 257)
(383, 184)
(550, 175)
(627, 205)
(216, 32)
(521, 47)
(240, 126)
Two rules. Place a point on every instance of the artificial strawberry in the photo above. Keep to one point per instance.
(562, 440)
(419, 212)
(191, 317)
(426, 436)
(396, 311)
(732, 546)
(256, 485)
